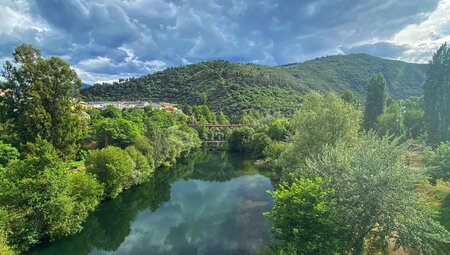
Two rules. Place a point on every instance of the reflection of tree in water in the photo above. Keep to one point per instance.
(223, 167)
(110, 224)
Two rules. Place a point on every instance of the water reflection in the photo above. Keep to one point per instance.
(207, 204)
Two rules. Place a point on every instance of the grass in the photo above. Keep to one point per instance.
(438, 197)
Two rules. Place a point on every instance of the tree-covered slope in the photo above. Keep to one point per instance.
(234, 88)
(353, 71)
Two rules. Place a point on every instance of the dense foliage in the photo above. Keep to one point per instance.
(237, 88)
(375, 101)
(302, 218)
(41, 100)
(44, 192)
(436, 91)
(40, 198)
(370, 203)
(438, 162)
(322, 121)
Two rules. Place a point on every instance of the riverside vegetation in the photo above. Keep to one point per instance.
(348, 179)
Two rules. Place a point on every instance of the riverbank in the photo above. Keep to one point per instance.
(209, 202)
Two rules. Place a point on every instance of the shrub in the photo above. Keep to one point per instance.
(113, 167)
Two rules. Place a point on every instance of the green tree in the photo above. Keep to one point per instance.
(376, 196)
(37, 193)
(436, 91)
(350, 97)
(112, 167)
(322, 121)
(141, 167)
(391, 122)
(223, 119)
(7, 153)
(278, 129)
(5, 249)
(438, 162)
(85, 191)
(375, 101)
(43, 100)
(119, 132)
(110, 111)
(239, 139)
(413, 117)
(258, 142)
(303, 219)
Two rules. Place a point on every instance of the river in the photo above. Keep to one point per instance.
(210, 203)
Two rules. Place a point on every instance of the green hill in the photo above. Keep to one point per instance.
(234, 88)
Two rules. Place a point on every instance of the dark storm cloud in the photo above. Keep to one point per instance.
(123, 38)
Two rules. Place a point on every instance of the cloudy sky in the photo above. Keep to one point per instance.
(109, 39)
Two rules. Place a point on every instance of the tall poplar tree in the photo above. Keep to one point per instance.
(41, 100)
(375, 100)
(437, 97)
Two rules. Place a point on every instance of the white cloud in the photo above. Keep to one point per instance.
(424, 38)
(18, 19)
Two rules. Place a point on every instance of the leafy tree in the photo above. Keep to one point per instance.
(223, 119)
(350, 97)
(439, 162)
(42, 100)
(273, 151)
(141, 167)
(112, 167)
(202, 112)
(143, 145)
(376, 196)
(86, 192)
(278, 128)
(119, 132)
(110, 111)
(375, 101)
(303, 218)
(413, 117)
(239, 139)
(36, 191)
(322, 121)
(7, 153)
(258, 142)
(5, 249)
(390, 122)
(436, 91)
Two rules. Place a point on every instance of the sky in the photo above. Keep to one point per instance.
(105, 40)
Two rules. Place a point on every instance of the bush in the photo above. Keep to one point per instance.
(37, 193)
(239, 140)
(116, 132)
(438, 162)
(85, 191)
(141, 167)
(258, 143)
(278, 129)
(112, 167)
(322, 121)
(302, 218)
(7, 153)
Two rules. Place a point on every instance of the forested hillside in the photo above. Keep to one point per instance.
(234, 88)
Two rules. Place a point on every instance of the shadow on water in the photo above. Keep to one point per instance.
(209, 203)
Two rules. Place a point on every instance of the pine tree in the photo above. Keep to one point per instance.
(375, 101)
(437, 97)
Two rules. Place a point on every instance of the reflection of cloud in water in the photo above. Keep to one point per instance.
(204, 218)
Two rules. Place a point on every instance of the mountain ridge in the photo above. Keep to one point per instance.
(235, 88)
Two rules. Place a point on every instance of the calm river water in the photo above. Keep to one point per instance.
(212, 203)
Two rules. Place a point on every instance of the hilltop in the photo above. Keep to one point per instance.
(234, 88)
